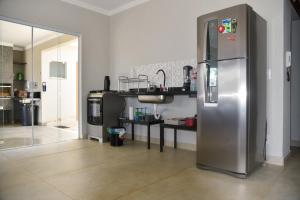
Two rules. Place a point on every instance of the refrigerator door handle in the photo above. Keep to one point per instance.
(205, 41)
(221, 60)
(204, 92)
(205, 82)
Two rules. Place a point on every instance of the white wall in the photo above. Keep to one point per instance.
(93, 28)
(165, 30)
(295, 91)
(286, 84)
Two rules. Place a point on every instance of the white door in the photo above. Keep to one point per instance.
(59, 78)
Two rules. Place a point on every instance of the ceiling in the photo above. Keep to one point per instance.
(106, 7)
(17, 35)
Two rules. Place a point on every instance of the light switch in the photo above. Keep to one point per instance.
(269, 74)
(288, 59)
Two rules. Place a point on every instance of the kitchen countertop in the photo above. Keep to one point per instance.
(171, 91)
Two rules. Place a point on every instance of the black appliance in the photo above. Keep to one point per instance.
(187, 77)
(104, 110)
(106, 83)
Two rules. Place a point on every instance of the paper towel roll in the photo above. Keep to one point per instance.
(131, 117)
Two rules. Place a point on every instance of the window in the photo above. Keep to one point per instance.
(58, 70)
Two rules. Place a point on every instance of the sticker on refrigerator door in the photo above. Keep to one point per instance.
(234, 25)
(221, 29)
(226, 23)
(228, 26)
(231, 38)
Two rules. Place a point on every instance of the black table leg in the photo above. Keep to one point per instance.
(148, 128)
(162, 138)
(132, 131)
(175, 138)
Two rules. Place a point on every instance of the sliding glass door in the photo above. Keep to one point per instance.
(14, 40)
(38, 86)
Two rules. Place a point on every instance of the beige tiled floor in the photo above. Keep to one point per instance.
(82, 169)
(20, 136)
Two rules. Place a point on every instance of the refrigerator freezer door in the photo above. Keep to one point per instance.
(232, 42)
(222, 124)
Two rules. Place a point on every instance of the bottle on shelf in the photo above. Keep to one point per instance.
(193, 86)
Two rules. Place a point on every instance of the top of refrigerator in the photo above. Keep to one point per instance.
(223, 34)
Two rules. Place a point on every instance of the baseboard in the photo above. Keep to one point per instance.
(295, 143)
(185, 146)
(275, 160)
(287, 157)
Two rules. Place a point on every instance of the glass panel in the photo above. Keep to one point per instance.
(212, 82)
(212, 65)
(57, 69)
(56, 72)
(95, 116)
(15, 126)
(38, 86)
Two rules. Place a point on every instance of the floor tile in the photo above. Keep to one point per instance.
(33, 191)
(83, 169)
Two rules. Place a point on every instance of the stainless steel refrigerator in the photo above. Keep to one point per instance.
(231, 100)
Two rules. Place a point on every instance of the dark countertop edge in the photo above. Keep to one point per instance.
(135, 94)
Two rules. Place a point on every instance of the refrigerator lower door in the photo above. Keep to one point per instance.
(222, 120)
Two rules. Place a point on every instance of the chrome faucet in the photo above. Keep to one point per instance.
(161, 70)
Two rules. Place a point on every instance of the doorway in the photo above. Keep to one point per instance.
(39, 86)
(295, 84)
(59, 75)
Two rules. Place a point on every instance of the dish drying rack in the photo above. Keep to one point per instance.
(139, 80)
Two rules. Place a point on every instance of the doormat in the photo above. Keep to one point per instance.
(63, 127)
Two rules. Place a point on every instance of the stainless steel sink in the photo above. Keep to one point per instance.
(156, 99)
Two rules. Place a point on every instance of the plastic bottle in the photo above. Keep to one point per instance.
(131, 115)
(193, 86)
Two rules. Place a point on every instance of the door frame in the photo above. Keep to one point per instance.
(79, 84)
(291, 84)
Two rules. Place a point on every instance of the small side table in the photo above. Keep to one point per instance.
(146, 123)
(175, 127)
